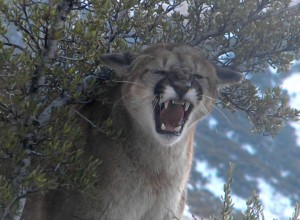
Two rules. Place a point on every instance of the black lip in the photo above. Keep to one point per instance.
(158, 122)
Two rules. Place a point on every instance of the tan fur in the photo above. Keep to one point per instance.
(143, 177)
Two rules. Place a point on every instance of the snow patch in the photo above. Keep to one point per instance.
(284, 173)
(212, 123)
(187, 215)
(190, 187)
(187, 211)
(276, 205)
(238, 202)
(215, 184)
(273, 70)
(249, 148)
(296, 125)
(249, 178)
(291, 84)
(230, 134)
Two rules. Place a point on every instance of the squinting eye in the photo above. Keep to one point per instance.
(160, 72)
(197, 76)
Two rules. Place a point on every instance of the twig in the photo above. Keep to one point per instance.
(89, 121)
(13, 45)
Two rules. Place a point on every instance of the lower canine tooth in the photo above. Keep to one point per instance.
(166, 104)
(163, 127)
(177, 128)
(187, 105)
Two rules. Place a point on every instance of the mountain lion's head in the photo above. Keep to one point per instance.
(167, 88)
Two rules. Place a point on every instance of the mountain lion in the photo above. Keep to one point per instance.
(164, 91)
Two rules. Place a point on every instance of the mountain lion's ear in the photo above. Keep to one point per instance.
(227, 77)
(119, 62)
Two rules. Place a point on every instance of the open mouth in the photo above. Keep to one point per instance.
(171, 115)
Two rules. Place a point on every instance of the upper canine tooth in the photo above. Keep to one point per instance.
(163, 127)
(187, 105)
(166, 104)
(160, 99)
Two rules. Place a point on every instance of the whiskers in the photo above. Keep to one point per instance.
(218, 109)
(139, 102)
(149, 98)
(155, 101)
(121, 99)
(204, 109)
(206, 112)
(128, 82)
(129, 93)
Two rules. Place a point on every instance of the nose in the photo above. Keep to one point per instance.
(181, 83)
(181, 87)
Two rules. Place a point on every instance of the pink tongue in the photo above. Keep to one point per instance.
(172, 116)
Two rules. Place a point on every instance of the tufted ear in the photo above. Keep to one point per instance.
(227, 77)
(119, 62)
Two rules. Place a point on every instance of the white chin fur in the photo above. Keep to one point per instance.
(167, 140)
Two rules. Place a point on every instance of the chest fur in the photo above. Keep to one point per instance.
(141, 177)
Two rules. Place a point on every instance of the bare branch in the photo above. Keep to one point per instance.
(59, 102)
(13, 45)
(63, 100)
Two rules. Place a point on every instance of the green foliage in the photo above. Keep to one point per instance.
(227, 201)
(7, 193)
(49, 49)
(267, 110)
(254, 209)
(296, 214)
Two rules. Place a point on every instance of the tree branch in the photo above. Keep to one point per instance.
(48, 52)
(59, 102)
(225, 29)
(13, 45)
(63, 100)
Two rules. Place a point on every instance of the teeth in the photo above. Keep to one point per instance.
(177, 129)
(178, 102)
(166, 104)
(160, 99)
(187, 105)
(163, 128)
